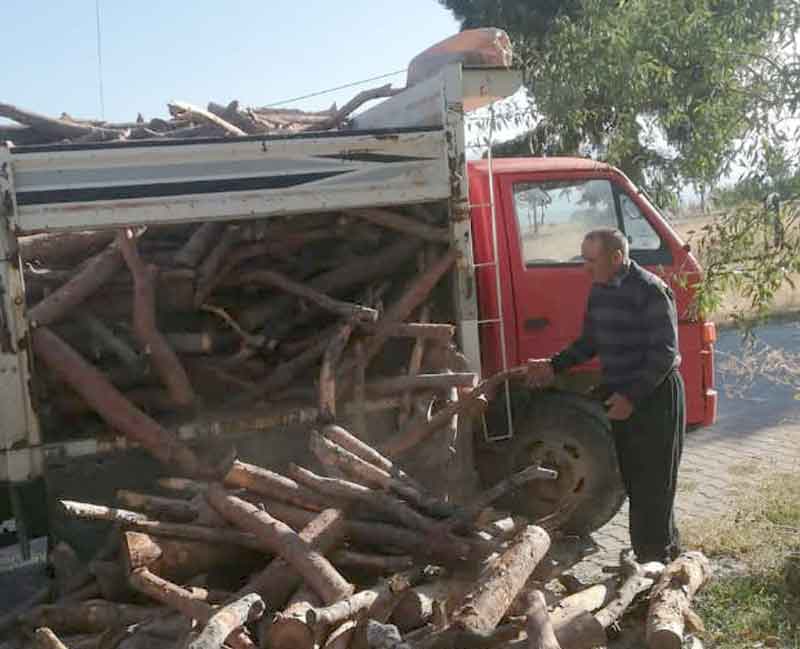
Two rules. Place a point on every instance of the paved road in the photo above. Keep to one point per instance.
(757, 430)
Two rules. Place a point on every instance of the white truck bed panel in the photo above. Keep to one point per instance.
(108, 185)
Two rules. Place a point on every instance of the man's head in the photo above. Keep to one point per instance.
(604, 252)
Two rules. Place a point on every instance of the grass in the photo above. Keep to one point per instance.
(758, 603)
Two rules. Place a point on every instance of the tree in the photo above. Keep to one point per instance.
(673, 92)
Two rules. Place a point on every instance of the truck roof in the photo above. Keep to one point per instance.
(555, 163)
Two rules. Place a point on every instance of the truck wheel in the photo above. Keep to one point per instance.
(571, 435)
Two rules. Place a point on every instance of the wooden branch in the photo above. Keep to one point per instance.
(380, 563)
(56, 128)
(111, 405)
(357, 272)
(402, 223)
(671, 598)
(163, 358)
(185, 110)
(472, 405)
(94, 274)
(351, 465)
(247, 339)
(277, 581)
(441, 382)
(44, 638)
(423, 330)
(412, 298)
(172, 509)
(120, 348)
(139, 522)
(538, 626)
(635, 582)
(63, 249)
(93, 616)
(226, 620)
(342, 309)
(487, 602)
(198, 245)
(272, 485)
(315, 569)
(327, 377)
(289, 629)
(360, 602)
(209, 269)
(358, 447)
(361, 98)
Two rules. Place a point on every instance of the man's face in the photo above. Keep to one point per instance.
(598, 262)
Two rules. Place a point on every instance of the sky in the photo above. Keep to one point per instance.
(259, 52)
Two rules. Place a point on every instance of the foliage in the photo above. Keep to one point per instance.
(756, 601)
(665, 89)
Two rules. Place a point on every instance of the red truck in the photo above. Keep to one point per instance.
(518, 289)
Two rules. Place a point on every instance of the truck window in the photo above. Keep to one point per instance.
(554, 216)
(641, 234)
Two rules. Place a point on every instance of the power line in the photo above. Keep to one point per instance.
(99, 60)
(329, 90)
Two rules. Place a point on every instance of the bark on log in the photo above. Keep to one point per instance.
(153, 343)
(172, 509)
(198, 245)
(226, 620)
(438, 332)
(185, 110)
(111, 405)
(306, 292)
(279, 579)
(175, 559)
(440, 382)
(416, 432)
(355, 273)
(272, 485)
(315, 569)
(95, 273)
(289, 629)
(351, 465)
(380, 563)
(383, 636)
(416, 607)
(354, 492)
(401, 223)
(538, 625)
(93, 616)
(184, 601)
(57, 129)
(210, 267)
(486, 603)
(327, 377)
(342, 636)
(139, 522)
(63, 249)
(671, 598)
(358, 447)
(412, 298)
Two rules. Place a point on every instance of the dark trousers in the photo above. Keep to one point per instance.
(649, 447)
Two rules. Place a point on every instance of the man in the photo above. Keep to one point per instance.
(631, 325)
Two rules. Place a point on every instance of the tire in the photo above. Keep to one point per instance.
(567, 433)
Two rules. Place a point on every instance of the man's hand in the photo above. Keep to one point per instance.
(540, 372)
(619, 407)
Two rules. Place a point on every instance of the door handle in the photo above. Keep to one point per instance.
(533, 324)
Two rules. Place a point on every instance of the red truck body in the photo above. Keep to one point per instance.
(542, 212)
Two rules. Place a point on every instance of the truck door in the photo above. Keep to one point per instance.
(550, 219)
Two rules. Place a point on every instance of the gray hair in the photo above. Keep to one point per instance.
(612, 241)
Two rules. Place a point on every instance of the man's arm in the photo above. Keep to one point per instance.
(661, 324)
(580, 351)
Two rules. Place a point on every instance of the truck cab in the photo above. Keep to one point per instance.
(543, 209)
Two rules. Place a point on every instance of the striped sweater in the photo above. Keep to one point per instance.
(631, 324)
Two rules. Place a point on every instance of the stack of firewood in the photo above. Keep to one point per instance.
(311, 314)
(185, 121)
(362, 556)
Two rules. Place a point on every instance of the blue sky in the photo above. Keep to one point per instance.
(256, 52)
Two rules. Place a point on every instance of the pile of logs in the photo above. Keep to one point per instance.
(185, 121)
(357, 556)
